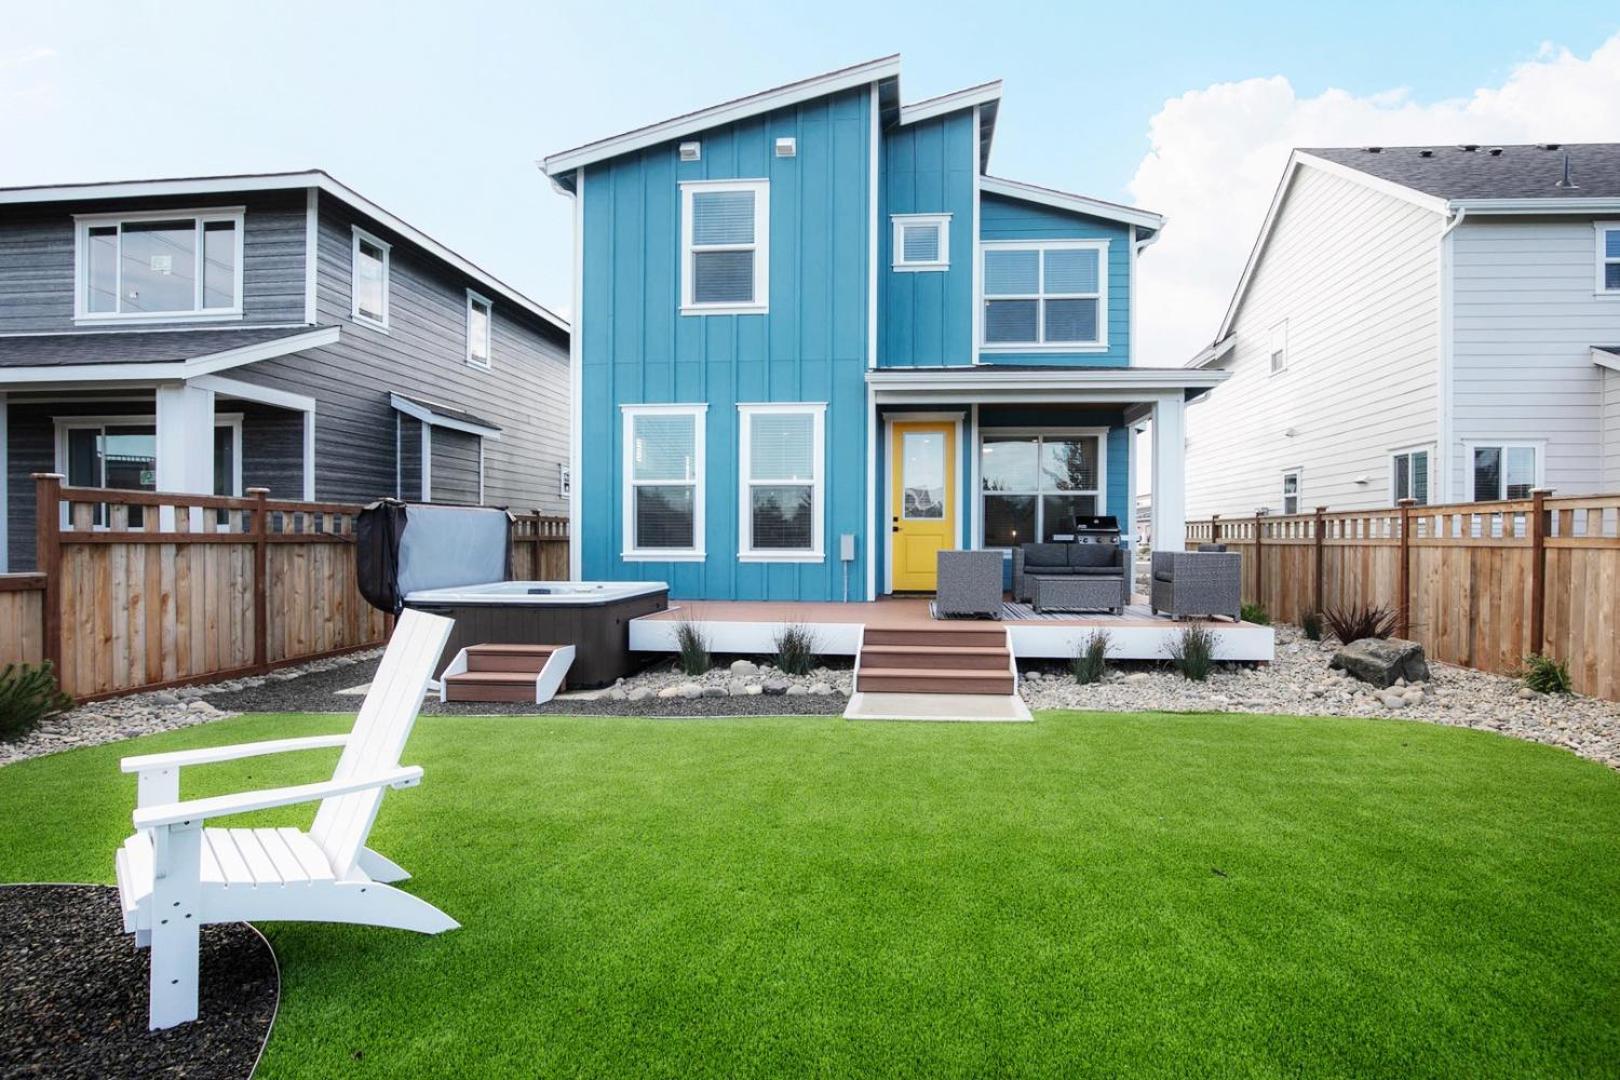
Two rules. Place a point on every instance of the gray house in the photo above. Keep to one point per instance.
(221, 333)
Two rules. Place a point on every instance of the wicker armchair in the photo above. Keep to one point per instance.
(1197, 583)
(969, 584)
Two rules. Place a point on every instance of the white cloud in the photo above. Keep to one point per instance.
(1218, 154)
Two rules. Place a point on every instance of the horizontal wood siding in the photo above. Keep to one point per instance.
(36, 257)
(410, 458)
(1611, 430)
(455, 466)
(272, 447)
(1524, 320)
(1355, 274)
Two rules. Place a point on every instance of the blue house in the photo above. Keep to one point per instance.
(815, 342)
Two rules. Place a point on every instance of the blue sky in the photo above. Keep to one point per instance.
(438, 111)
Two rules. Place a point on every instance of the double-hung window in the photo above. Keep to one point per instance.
(781, 481)
(479, 316)
(725, 247)
(1608, 257)
(1032, 485)
(921, 242)
(1409, 476)
(1504, 470)
(1050, 296)
(1291, 491)
(663, 482)
(370, 279)
(170, 265)
(1279, 347)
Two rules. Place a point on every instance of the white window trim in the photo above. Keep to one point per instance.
(354, 276)
(1278, 331)
(1298, 473)
(1603, 259)
(1470, 445)
(629, 552)
(489, 331)
(1101, 492)
(1041, 346)
(761, 247)
(1421, 448)
(83, 316)
(818, 483)
(897, 226)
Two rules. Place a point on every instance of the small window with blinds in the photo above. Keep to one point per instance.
(725, 247)
(781, 473)
(921, 241)
(1608, 253)
(663, 482)
(1045, 297)
(1409, 475)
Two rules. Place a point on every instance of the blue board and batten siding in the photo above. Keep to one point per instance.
(926, 316)
(811, 346)
(1002, 218)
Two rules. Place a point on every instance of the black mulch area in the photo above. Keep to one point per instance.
(74, 997)
(317, 692)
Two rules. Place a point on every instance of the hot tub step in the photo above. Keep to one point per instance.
(529, 658)
(490, 686)
(494, 672)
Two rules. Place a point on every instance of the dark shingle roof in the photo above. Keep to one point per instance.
(131, 347)
(1515, 172)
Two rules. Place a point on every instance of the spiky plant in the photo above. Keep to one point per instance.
(28, 694)
(1192, 653)
(1352, 622)
(1255, 613)
(1546, 675)
(1091, 662)
(692, 646)
(796, 649)
(1311, 623)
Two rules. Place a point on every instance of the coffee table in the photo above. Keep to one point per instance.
(1075, 592)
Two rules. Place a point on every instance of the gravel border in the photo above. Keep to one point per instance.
(75, 998)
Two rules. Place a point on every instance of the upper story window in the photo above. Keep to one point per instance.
(1504, 470)
(1608, 243)
(663, 482)
(370, 279)
(1278, 352)
(1409, 475)
(725, 247)
(480, 314)
(170, 265)
(922, 241)
(1050, 296)
(782, 481)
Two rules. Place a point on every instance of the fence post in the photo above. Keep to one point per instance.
(1403, 623)
(1259, 560)
(1214, 528)
(1321, 534)
(1538, 567)
(261, 586)
(48, 559)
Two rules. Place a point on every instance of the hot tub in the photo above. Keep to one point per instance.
(593, 616)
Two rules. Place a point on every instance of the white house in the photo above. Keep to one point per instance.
(1435, 322)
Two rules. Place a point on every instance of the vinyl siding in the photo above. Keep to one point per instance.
(1611, 430)
(1002, 218)
(454, 474)
(1355, 274)
(926, 317)
(37, 272)
(810, 347)
(1524, 318)
(410, 458)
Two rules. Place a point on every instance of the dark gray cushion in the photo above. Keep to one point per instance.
(1085, 555)
(1097, 571)
(1044, 556)
(1163, 575)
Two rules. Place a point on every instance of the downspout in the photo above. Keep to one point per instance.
(1441, 490)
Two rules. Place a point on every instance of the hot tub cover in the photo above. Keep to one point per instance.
(401, 549)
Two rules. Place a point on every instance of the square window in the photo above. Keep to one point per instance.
(1051, 295)
(1032, 486)
(922, 241)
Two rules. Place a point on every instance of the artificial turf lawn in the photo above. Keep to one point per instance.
(1088, 895)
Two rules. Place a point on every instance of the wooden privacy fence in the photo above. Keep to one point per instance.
(539, 548)
(138, 589)
(1479, 584)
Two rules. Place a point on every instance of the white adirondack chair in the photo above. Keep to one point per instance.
(175, 874)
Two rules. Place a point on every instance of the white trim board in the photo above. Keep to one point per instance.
(817, 552)
(1064, 200)
(558, 166)
(172, 369)
(429, 418)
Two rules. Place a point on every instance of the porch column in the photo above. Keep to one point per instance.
(1169, 474)
(185, 444)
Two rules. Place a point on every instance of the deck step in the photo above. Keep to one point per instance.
(490, 686)
(525, 658)
(933, 681)
(953, 657)
(945, 636)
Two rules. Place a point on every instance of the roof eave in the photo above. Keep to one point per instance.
(1521, 207)
(1213, 353)
(1063, 200)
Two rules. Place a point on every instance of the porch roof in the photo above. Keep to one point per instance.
(148, 355)
(983, 383)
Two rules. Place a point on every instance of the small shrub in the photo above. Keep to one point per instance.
(1193, 653)
(28, 694)
(796, 649)
(1254, 613)
(1545, 675)
(1352, 622)
(1311, 623)
(693, 657)
(1091, 662)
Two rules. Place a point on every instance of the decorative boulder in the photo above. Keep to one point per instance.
(1382, 661)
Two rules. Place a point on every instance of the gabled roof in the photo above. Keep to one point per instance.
(987, 96)
(149, 355)
(280, 181)
(1063, 200)
(1489, 172)
(886, 70)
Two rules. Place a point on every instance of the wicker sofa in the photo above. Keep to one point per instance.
(1197, 583)
(1064, 560)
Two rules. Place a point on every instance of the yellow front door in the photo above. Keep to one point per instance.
(923, 514)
